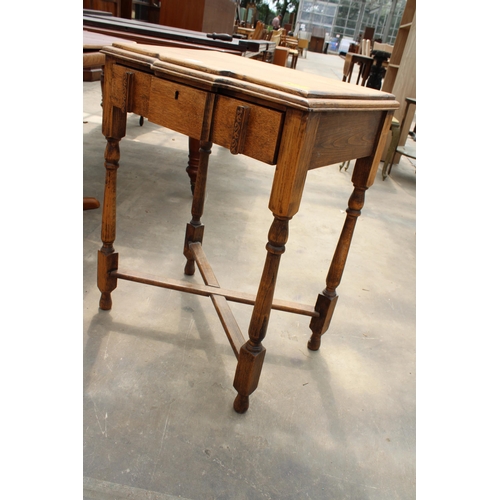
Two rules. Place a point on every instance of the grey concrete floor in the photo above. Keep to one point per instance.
(338, 423)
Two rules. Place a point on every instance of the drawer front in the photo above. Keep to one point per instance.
(261, 128)
(177, 107)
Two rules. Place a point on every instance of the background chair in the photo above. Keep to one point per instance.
(302, 46)
(276, 36)
(258, 32)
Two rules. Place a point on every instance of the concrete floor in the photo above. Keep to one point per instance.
(338, 423)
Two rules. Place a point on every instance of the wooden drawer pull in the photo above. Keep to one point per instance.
(239, 129)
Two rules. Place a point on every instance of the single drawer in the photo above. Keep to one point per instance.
(257, 133)
(178, 107)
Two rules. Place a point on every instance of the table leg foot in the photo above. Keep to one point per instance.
(314, 342)
(106, 262)
(194, 233)
(105, 302)
(189, 268)
(241, 404)
(325, 306)
(246, 378)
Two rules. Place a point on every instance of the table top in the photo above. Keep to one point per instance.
(229, 71)
(245, 31)
(359, 56)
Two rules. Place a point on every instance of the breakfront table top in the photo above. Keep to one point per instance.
(231, 71)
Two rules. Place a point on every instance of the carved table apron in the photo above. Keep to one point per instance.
(276, 115)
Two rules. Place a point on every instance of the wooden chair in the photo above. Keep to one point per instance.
(291, 43)
(258, 32)
(302, 46)
(398, 144)
(276, 37)
(295, 55)
(365, 64)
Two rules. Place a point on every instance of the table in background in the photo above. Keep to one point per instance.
(365, 64)
(156, 34)
(247, 32)
(281, 117)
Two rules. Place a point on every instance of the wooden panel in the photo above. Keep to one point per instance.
(400, 79)
(219, 16)
(187, 15)
(199, 15)
(112, 6)
(344, 136)
(177, 107)
(406, 81)
(263, 128)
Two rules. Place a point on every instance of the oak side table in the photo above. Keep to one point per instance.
(276, 115)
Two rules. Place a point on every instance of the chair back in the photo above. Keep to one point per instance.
(383, 47)
(366, 47)
(259, 29)
(276, 37)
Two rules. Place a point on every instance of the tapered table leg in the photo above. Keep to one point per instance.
(107, 258)
(251, 356)
(114, 124)
(194, 229)
(193, 161)
(327, 300)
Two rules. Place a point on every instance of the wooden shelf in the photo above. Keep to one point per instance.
(400, 78)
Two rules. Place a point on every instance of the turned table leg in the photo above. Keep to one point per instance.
(193, 161)
(251, 356)
(284, 202)
(107, 258)
(114, 124)
(363, 176)
(327, 300)
(194, 229)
